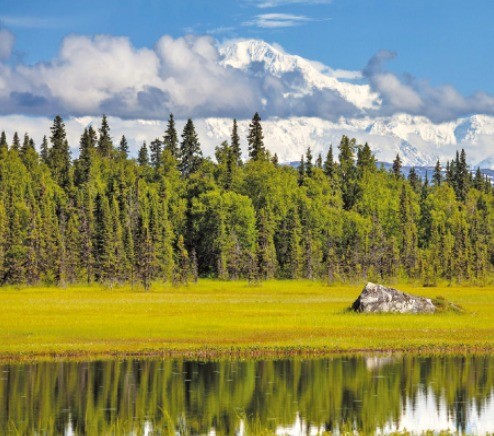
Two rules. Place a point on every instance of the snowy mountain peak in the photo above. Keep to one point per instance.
(299, 75)
(417, 139)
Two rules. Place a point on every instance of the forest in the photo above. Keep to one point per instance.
(172, 215)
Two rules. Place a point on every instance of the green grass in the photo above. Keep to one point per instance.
(215, 318)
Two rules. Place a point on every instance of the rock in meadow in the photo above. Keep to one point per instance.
(379, 299)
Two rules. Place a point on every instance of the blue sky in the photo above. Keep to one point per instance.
(443, 41)
(441, 55)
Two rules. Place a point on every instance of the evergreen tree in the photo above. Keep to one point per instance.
(478, 181)
(319, 161)
(105, 144)
(255, 139)
(27, 144)
(143, 155)
(3, 141)
(414, 179)
(87, 147)
(329, 164)
(397, 166)
(347, 172)
(235, 145)
(123, 147)
(437, 177)
(170, 139)
(365, 160)
(156, 150)
(190, 150)
(463, 177)
(308, 165)
(16, 142)
(301, 172)
(45, 150)
(59, 155)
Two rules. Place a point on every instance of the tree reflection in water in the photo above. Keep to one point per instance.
(292, 396)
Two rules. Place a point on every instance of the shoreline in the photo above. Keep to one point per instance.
(244, 353)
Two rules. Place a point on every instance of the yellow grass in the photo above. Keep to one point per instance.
(219, 318)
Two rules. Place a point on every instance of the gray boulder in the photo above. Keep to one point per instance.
(377, 299)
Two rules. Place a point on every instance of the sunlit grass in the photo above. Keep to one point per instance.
(222, 317)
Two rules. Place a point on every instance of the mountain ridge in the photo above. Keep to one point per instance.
(417, 139)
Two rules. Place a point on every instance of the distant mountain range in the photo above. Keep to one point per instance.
(418, 140)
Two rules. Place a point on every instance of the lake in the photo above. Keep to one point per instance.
(380, 394)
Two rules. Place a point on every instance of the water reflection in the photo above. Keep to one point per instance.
(377, 394)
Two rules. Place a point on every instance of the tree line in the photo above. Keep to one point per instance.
(171, 214)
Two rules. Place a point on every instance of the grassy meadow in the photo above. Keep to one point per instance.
(215, 318)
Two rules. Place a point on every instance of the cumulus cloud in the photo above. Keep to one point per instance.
(104, 73)
(415, 97)
(6, 44)
(190, 77)
(186, 76)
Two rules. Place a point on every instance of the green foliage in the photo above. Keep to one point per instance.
(172, 215)
(255, 139)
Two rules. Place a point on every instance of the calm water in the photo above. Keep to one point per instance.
(379, 394)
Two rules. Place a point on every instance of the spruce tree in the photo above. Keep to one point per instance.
(44, 150)
(105, 144)
(170, 140)
(190, 150)
(365, 160)
(255, 139)
(16, 142)
(143, 155)
(59, 156)
(437, 177)
(87, 147)
(397, 166)
(301, 171)
(463, 177)
(27, 144)
(308, 164)
(123, 147)
(156, 148)
(347, 172)
(3, 141)
(329, 164)
(319, 161)
(414, 179)
(235, 145)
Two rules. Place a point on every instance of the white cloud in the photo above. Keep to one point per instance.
(276, 3)
(108, 74)
(187, 76)
(30, 22)
(415, 97)
(338, 73)
(6, 44)
(276, 21)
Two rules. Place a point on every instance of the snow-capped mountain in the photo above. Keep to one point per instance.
(299, 75)
(417, 139)
(294, 81)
